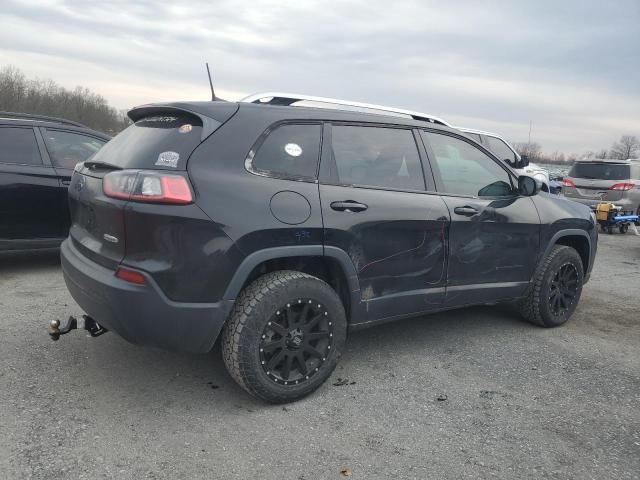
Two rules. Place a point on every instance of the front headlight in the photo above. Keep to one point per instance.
(593, 217)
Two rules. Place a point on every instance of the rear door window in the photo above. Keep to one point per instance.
(19, 146)
(376, 157)
(601, 171)
(162, 141)
(66, 149)
(288, 151)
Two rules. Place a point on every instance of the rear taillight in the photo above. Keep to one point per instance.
(623, 187)
(130, 276)
(568, 183)
(149, 187)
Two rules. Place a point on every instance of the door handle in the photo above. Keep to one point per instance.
(467, 211)
(348, 206)
(66, 183)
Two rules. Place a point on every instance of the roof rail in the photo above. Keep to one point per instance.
(44, 118)
(287, 99)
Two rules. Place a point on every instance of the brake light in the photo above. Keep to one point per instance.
(568, 183)
(622, 186)
(130, 276)
(149, 187)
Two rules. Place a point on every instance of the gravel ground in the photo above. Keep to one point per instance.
(475, 393)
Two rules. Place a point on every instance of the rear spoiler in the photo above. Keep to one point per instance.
(212, 114)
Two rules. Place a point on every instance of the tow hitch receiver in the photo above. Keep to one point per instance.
(89, 324)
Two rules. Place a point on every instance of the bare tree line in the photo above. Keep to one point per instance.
(627, 147)
(45, 97)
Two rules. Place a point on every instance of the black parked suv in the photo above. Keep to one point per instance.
(37, 157)
(282, 227)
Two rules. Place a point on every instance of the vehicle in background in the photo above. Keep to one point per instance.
(37, 157)
(503, 150)
(555, 186)
(280, 227)
(591, 182)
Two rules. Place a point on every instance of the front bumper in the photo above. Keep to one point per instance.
(141, 314)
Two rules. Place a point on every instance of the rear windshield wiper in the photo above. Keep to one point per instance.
(103, 165)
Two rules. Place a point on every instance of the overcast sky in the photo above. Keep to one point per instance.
(572, 67)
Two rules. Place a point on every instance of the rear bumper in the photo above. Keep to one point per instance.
(141, 314)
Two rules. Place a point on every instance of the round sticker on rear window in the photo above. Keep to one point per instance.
(186, 128)
(168, 159)
(293, 149)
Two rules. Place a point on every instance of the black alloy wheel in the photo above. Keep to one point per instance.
(285, 335)
(296, 341)
(563, 290)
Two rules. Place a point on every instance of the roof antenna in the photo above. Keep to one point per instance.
(213, 93)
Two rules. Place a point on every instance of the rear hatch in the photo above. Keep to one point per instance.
(161, 139)
(597, 181)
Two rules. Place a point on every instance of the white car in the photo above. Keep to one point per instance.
(501, 148)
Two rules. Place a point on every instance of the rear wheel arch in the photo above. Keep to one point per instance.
(329, 264)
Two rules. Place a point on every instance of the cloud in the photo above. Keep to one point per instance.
(571, 67)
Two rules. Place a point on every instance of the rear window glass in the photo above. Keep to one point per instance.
(289, 151)
(18, 145)
(162, 141)
(600, 171)
(377, 157)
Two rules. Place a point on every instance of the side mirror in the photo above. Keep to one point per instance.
(528, 186)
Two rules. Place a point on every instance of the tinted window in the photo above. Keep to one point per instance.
(162, 141)
(66, 148)
(601, 171)
(380, 157)
(499, 148)
(466, 170)
(18, 145)
(290, 151)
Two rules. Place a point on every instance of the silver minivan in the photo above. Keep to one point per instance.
(594, 181)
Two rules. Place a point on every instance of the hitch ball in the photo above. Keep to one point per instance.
(55, 324)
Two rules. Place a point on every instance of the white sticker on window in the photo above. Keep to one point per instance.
(168, 159)
(293, 149)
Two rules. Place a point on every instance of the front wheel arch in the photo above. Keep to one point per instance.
(579, 240)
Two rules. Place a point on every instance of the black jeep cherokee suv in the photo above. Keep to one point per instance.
(280, 228)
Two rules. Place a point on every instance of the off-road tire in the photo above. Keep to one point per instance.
(242, 334)
(535, 307)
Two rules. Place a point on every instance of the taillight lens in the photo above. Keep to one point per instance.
(130, 276)
(622, 186)
(149, 187)
(568, 183)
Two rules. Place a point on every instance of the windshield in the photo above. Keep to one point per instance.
(601, 171)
